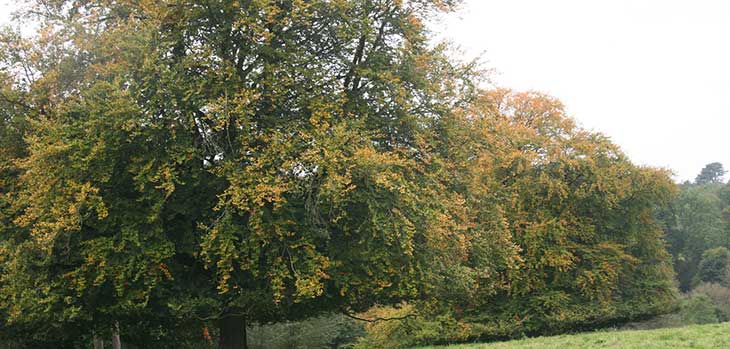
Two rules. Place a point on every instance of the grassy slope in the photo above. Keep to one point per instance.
(699, 336)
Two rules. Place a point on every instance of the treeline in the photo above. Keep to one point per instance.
(697, 223)
(177, 172)
(698, 226)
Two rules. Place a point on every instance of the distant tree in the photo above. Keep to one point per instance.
(712, 173)
(698, 226)
(713, 266)
(697, 220)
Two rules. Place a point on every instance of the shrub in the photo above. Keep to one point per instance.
(707, 303)
(661, 321)
(327, 331)
(408, 331)
(698, 309)
(720, 296)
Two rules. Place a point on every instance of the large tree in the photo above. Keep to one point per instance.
(581, 215)
(222, 162)
(578, 213)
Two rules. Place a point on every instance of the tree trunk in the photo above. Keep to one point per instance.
(98, 342)
(116, 341)
(232, 332)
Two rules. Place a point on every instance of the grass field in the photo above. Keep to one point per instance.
(698, 336)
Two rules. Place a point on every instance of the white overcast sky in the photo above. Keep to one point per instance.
(654, 75)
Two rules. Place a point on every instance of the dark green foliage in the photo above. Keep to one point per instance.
(696, 221)
(707, 303)
(698, 310)
(714, 266)
(326, 331)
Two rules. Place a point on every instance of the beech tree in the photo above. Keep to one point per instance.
(584, 249)
(582, 215)
(195, 163)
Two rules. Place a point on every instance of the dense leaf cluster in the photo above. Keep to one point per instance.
(177, 169)
(578, 216)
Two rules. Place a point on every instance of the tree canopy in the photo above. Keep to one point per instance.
(696, 221)
(173, 167)
(712, 173)
(578, 215)
(227, 161)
